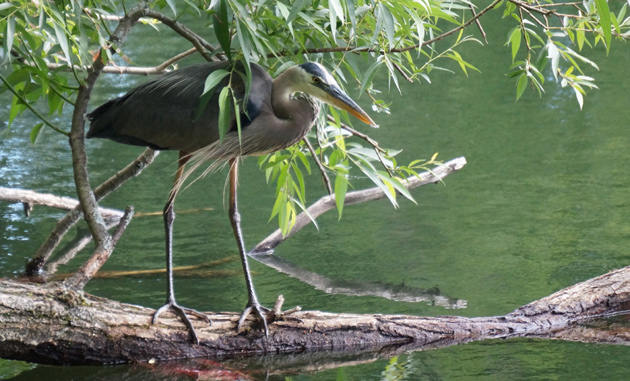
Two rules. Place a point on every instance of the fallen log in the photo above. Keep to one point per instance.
(54, 325)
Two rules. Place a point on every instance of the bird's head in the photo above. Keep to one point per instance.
(313, 79)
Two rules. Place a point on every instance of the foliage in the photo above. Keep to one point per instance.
(48, 49)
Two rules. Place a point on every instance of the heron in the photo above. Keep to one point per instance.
(164, 114)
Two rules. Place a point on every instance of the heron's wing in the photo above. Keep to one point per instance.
(164, 112)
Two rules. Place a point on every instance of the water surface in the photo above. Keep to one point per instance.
(541, 204)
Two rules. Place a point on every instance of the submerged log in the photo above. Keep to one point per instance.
(50, 324)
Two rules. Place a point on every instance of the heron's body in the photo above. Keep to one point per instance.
(164, 114)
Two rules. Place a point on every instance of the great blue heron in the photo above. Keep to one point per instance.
(163, 114)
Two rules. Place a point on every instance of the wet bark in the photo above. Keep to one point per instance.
(52, 324)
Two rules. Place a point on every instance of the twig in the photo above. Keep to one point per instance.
(378, 150)
(401, 72)
(70, 251)
(199, 43)
(545, 27)
(124, 222)
(319, 165)
(99, 257)
(483, 32)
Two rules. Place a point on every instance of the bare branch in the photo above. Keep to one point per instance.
(47, 199)
(140, 70)
(64, 224)
(99, 257)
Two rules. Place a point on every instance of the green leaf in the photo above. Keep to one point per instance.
(580, 37)
(244, 43)
(604, 21)
(10, 34)
(171, 4)
(341, 187)
(296, 8)
(237, 112)
(301, 190)
(35, 132)
(615, 23)
(63, 41)
(213, 80)
(521, 86)
(224, 112)
(369, 76)
(210, 86)
(222, 27)
(388, 20)
(311, 22)
(515, 41)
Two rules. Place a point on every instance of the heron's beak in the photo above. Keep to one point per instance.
(336, 97)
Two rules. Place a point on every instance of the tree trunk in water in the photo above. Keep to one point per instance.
(51, 324)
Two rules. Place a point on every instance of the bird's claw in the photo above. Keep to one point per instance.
(183, 313)
(260, 312)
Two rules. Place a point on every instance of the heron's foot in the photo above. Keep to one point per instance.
(259, 311)
(183, 314)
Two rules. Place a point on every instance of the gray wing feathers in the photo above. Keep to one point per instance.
(162, 113)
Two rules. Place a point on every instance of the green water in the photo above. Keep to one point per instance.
(541, 204)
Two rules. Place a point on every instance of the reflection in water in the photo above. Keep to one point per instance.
(399, 293)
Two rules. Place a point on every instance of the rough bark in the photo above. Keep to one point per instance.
(52, 324)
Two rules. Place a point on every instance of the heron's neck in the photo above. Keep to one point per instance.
(301, 110)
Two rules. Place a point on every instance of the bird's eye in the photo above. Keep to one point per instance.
(316, 80)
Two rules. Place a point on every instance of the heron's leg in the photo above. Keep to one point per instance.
(169, 217)
(235, 220)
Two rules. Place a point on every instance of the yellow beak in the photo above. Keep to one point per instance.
(337, 98)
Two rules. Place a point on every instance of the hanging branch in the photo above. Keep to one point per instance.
(327, 203)
(378, 150)
(30, 107)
